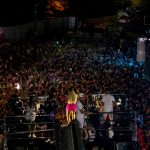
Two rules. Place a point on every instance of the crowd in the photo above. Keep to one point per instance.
(90, 70)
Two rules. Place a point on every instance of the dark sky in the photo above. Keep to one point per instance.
(21, 11)
(15, 11)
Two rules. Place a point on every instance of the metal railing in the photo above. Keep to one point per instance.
(12, 126)
(17, 128)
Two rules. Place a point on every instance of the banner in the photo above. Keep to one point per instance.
(141, 50)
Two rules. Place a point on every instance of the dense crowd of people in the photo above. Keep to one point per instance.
(57, 66)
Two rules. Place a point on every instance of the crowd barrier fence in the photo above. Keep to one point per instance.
(12, 131)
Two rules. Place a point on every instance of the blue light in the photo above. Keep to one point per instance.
(136, 75)
(131, 64)
(141, 64)
(143, 76)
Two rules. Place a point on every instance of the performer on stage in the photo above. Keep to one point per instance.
(108, 102)
(71, 105)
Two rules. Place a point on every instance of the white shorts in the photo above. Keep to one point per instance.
(81, 123)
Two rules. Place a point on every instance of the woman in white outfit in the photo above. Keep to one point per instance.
(31, 111)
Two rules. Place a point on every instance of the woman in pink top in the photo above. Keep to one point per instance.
(71, 105)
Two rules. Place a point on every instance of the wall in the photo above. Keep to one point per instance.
(20, 32)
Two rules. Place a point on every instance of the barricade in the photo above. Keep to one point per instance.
(18, 133)
(115, 134)
(123, 128)
(49, 134)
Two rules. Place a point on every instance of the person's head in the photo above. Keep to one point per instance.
(107, 91)
(41, 107)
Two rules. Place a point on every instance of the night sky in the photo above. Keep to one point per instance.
(22, 11)
(14, 12)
